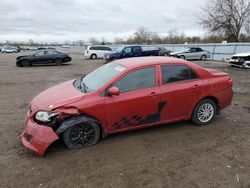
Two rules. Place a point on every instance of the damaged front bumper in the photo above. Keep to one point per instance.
(37, 138)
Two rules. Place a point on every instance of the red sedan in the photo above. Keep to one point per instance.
(125, 95)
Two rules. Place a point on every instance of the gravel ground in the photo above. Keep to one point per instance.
(172, 155)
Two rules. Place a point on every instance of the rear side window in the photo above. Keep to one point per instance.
(106, 48)
(137, 49)
(94, 48)
(51, 52)
(139, 79)
(177, 73)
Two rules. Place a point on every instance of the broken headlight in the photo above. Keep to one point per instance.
(46, 117)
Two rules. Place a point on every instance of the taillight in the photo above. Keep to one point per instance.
(230, 82)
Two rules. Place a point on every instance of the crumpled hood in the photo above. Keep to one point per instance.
(57, 96)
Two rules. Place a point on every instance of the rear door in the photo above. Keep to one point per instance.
(137, 105)
(181, 89)
(192, 54)
(51, 56)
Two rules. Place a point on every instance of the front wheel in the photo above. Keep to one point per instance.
(26, 63)
(204, 112)
(83, 133)
(93, 56)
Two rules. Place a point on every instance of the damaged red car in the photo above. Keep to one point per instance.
(125, 95)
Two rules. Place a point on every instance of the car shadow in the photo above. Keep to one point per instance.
(58, 147)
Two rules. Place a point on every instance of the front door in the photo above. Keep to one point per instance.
(127, 52)
(137, 105)
(39, 57)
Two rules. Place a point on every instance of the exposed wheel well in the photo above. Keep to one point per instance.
(103, 132)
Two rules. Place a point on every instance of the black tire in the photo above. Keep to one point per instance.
(26, 63)
(197, 112)
(182, 57)
(203, 57)
(58, 61)
(93, 56)
(76, 135)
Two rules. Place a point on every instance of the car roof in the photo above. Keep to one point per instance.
(146, 61)
(99, 46)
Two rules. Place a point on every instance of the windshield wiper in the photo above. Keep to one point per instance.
(83, 85)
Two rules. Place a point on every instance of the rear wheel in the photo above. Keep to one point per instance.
(26, 63)
(204, 112)
(83, 133)
(93, 56)
(203, 57)
(58, 61)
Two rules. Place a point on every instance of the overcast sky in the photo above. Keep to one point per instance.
(61, 20)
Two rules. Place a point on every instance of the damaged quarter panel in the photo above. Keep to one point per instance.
(90, 106)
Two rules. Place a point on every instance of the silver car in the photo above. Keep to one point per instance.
(191, 53)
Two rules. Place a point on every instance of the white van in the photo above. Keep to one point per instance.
(94, 52)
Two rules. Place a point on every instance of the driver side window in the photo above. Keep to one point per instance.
(127, 50)
(40, 53)
(139, 79)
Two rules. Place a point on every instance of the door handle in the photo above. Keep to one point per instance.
(153, 93)
(196, 87)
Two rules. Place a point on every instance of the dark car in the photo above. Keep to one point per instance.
(40, 57)
(131, 51)
(163, 51)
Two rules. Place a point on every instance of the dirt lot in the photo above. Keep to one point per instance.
(173, 155)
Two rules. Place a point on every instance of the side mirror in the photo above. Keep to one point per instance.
(113, 91)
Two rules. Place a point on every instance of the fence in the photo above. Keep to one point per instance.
(219, 51)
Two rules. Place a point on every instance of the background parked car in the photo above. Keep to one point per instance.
(163, 51)
(47, 56)
(191, 53)
(94, 52)
(240, 60)
(131, 51)
(10, 49)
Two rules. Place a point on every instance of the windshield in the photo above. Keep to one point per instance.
(119, 48)
(96, 79)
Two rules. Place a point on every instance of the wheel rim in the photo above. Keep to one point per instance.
(26, 63)
(205, 112)
(203, 57)
(182, 57)
(81, 135)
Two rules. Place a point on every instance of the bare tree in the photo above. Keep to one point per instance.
(94, 41)
(226, 17)
(142, 36)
